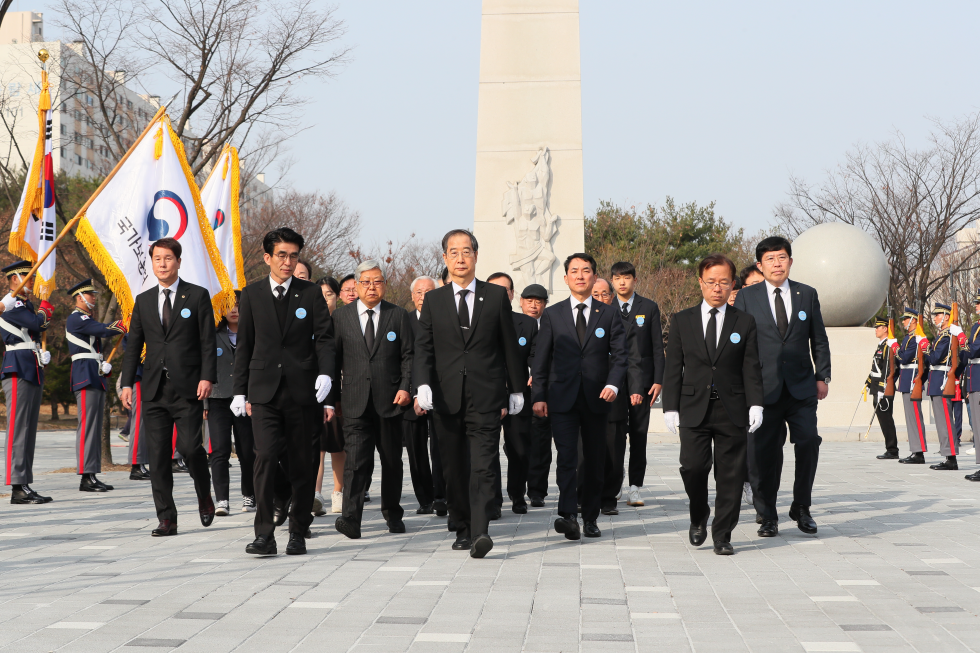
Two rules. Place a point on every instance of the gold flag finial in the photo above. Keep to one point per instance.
(43, 55)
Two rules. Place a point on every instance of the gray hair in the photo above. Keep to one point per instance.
(422, 278)
(369, 264)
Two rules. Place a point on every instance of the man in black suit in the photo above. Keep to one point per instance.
(175, 321)
(374, 344)
(517, 427)
(713, 391)
(284, 364)
(790, 329)
(579, 366)
(534, 299)
(468, 357)
(641, 316)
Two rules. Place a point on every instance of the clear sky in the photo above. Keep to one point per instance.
(701, 101)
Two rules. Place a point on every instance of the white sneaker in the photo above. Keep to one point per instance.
(248, 504)
(747, 493)
(633, 497)
(318, 502)
(337, 502)
(221, 509)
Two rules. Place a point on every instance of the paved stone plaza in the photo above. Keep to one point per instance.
(894, 568)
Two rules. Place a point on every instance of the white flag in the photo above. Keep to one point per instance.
(220, 198)
(153, 196)
(33, 230)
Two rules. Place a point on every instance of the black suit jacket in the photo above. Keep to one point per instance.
(268, 355)
(527, 333)
(789, 360)
(381, 372)
(489, 356)
(646, 341)
(734, 372)
(187, 350)
(561, 365)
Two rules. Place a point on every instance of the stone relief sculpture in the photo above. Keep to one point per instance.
(526, 206)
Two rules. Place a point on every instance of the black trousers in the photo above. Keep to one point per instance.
(282, 431)
(160, 415)
(801, 416)
(468, 444)
(362, 435)
(517, 447)
(438, 478)
(638, 425)
(612, 481)
(416, 440)
(539, 459)
(729, 463)
(566, 428)
(883, 410)
(221, 425)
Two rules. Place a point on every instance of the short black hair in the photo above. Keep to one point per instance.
(349, 277)
(444, 276)
(747, 272)
(623, 269)
(773, 244)
(331, 282)
(502, 275)
(459, 232)
(167, 243)
(737, 284)
(713, 260)
(281, 235)
(582, 256)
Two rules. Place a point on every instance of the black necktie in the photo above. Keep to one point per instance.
(464, 309)
(369, 330)
(781, 323)
(580, 324)
(280, 292)
(711, 334)
(626, 311)
(166, 310)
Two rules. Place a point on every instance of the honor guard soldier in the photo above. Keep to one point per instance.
(88, 373)
(910, 359)
(881, 385)
(137, 455)
(971, 382)
(942, 359)
(23, 378)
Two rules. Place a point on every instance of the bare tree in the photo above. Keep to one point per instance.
(914, 202)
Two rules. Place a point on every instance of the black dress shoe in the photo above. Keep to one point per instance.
(439, 505)
(139, 473)
(948, 464)
(24, 495)
(610, 511)
(801, 515)
(975, 476)
(519, 508)
(280, 512)
(165, 528)
(262, 546)
(425, 509)
(591, 529)
(698, 533)
(179, 467)
(495, 514)
(568, 526)
(396, 526)
(769, 528)
(296, 545)
(347, 527)
(724, 549)
(917, 458)
(481, 546)
(537, 503)
(89, 483)
(887, 456)
(205, 507)
(462, 543)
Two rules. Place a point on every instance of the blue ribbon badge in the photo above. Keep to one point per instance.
(522, 341)
(640, 319)
(391, 336)
(220, 351)
(735, 338)
(802, 316)
(600, 332)
(301, 313)
(185, 312)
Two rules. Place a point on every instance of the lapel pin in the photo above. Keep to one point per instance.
(183, 296)
(295, 295)
(481, 299)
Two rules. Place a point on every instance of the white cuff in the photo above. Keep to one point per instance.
(613, 388)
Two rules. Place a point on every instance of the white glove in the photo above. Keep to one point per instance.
(238, 405)
(879, 397)
(322, 386)
(8, 302)
(755, 418)
(425, 397)
(955, 330)
(105, 368)
(45, 357)
(673, 420)
(516, 403)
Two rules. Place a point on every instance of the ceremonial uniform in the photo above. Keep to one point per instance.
(22, 380)
(905, 358)
(881, 373)
(942, 358)
(88, 372)
(138, 457)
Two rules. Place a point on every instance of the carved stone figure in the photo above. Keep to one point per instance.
(526, 206)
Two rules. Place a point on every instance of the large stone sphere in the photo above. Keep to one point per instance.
(847, 268)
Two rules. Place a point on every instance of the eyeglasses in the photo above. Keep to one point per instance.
(718, 284)
(455, 253)
(602, 294)
(371, 284)
(772, 258)
(282, 256)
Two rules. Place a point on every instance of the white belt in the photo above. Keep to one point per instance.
(910, 366)
(23, 346)
(78, 342)
(26, 344)
(79, 357)
(939, 368)
(974, 361)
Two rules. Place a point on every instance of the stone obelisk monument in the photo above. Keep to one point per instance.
(529, 212)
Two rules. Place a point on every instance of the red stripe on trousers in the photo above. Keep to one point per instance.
(81, 426)
(918, 423)
(949, 428)
(174, 442)
(11, 413)
(137, 405)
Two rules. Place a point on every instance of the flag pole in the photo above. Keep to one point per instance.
(81, 212)
(113, 352)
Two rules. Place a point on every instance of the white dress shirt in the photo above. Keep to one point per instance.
(362, 315)
(285, 285)
(787, 300)
(161, 297)
(470, 296)
(588, 309)
(719, 319)
(418, 314)
(629, 301)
